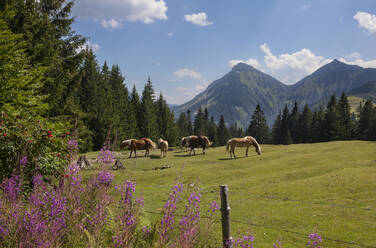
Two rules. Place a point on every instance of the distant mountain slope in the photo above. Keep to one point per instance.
(366, 91)
(236, 95)
(333, 78)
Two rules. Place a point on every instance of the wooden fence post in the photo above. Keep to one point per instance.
(225, 209)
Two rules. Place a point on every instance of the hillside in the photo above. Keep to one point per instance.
(237, 93)
(327, 188)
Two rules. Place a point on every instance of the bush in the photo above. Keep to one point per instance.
(28, 146)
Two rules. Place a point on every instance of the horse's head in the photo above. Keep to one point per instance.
(255, 144)
(125, 143)
(258, 149)
(183, 142)
(160, 140)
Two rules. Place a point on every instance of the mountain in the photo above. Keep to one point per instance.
(236, 94)
(331, 79)
(366, 91)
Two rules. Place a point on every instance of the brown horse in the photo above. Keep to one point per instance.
(184, 142)
(247, 141)
(141, 144)
(196, 141)
(163, 145)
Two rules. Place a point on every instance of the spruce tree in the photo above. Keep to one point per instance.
(286, 138)
(304, 126)
(199, 123)
(189, 122)
(294, 123)
(222, 132)
(148, 114)
(182, 124)
(345, 124)
(317, 133)
(366, 121)
(258, 127)
(135, 109)
(331, 120)
(212, 132)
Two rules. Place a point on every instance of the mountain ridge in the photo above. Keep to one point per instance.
(236, 94)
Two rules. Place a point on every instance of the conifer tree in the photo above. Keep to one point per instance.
(345, 124)
(148, 114)
(182, 124)
(135, 109)
(258, 127)
(317, 133)
(286, 138)
(222, 132)
(189, 122)
(304, 126)
(212, 131)
(366, 121)
(294, 123)
(199, 123)
(331, 120)
(276, 130)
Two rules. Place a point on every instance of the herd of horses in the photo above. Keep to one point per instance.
(190, 142)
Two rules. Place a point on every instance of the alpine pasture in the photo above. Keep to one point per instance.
(284, 194)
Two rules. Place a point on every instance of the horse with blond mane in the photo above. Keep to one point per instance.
(141, 144)
(163, 145)
(196, 141)
(184, 141)
(247, 141)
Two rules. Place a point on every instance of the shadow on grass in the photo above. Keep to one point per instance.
(187, 155)
(232, 158)
(155, 157)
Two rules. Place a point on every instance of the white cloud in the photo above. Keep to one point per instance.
(187, 73)
(146, 11)
(94, 46)
(170, 34)
(110, 24)
(290, 68)
(200, 19)
(366, 21)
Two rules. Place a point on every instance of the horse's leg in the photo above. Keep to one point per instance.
(130, 155)
(203, 149)
(146, 152)
(246, 151)
(233, 152)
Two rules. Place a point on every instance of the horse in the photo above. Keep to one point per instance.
(184, 141)
(196, 141)
(163, 145)
(247, 141)
(141, 144)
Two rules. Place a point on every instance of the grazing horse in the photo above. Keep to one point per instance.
(163, 145)
(247, 141)
(184, 142)
(196, 141)
(141, 144)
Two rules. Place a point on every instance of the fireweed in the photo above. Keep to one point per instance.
(106, 155)
(314, 241)
(190, 223)
(169, 209)
(129, 215)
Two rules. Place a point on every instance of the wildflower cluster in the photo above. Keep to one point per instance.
(245, 242)
(106, 155)
(314, 240)
(190, 222)
(168, 218)
(72, 147)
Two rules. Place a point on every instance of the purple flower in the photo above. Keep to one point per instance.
(23, 161)
(105, 178)
(315, 241)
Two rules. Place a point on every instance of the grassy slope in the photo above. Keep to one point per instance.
(263, 189)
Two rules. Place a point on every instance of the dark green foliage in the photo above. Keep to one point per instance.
(331, 124)
(367, 122)
(345, 122)
(189, 122)
(276, 130)
(258, 127)
(167, 127)
(148, 113)
(199, 123)
(304, 125)
(317, 126)
(222, 132)
(213, 132)
(294, 124)
(285, 138)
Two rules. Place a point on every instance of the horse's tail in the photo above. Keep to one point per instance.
(228, 145)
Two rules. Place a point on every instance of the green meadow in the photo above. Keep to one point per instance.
(284, 194)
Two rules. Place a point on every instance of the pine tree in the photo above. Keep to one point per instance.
(286, 138)
(258, 127)
(345, 124)
(182, 124)
(222, 132)
(276, 130)
(304, 126)
(212, 132)
(294, 123)
(331, 120)
(165, 121)
(317, 133)
(189, 122)
(199, 123)
(148, 114)
(366, 121)
(135, 109)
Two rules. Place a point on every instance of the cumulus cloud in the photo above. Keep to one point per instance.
(366, 21)
(359, 62)
(110, 24)
(200, 19)
(187, 73)
(146, 11)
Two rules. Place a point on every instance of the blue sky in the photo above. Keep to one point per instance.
(183, 45)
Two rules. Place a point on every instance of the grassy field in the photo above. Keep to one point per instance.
(328, 188)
